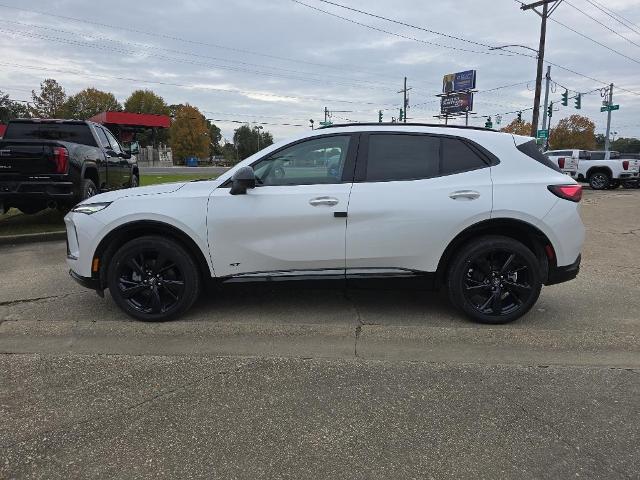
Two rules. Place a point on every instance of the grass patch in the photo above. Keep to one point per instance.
(14, 222)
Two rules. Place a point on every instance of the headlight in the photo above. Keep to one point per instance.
(90, 208)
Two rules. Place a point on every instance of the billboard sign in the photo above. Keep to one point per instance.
(459, 82)
(456, 103)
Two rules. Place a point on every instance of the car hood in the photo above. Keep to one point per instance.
(134, 192)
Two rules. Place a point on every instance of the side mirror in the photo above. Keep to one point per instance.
(134, 148)
(242, 180)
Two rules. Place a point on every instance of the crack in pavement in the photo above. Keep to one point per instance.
(35, 299)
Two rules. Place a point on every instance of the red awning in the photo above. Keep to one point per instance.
(133, 119)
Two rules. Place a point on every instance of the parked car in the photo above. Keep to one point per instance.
(484, 214)
(567, 160)
(602, 174)
(49, 163)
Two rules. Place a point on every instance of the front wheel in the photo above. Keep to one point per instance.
(135, 181)
(494, 280)
(153, 279)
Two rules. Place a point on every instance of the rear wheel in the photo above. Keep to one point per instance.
(135, 181)
(599, 180)
(494, 280)
(153, 279)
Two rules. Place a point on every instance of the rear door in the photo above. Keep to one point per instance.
(412, 194)
(117, 162)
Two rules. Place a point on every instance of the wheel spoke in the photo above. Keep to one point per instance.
(518, 287)
(507, 263)
(478, 286)
(170, 292)
(131, 291)
(133, 264)
(156, 302)
(496, 302)
(178, 283)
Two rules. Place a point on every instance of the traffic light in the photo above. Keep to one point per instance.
(550, 110)
(519, 117)
(401, 117)
(565, 98)
(488, 123)
(578, 101)
(379, 116)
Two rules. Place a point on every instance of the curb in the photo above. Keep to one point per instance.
(33, 237)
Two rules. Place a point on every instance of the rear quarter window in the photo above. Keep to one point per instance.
(66, 132)
(531, 150)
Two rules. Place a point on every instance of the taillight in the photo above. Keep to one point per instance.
(572, 193)
(61, 158)
(561, 162)
(625, 164)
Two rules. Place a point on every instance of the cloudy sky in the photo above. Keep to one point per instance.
(283, 61)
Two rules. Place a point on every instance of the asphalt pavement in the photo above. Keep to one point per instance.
(312, 383)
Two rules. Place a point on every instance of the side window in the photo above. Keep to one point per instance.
(458, 157)
(320, 160)
(102, 138)
(115, 146)
(402, 157)
(584, 155)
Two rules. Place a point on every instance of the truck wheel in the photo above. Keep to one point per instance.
(599, 180)
(135, 181)
(494, 279)
(87, 189)
(153, 279)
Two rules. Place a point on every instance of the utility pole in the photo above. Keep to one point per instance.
(326, 114)
(607, 143)
(405, 102)
(546, 97)
(546, 13)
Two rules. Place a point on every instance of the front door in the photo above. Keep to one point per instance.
(412, 194)
(293, 222)
(118, 165)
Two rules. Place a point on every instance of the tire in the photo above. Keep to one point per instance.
(135, 181)
(599, 180)
(490, 289)
(87, 189)
(630, 184)
(140, 286)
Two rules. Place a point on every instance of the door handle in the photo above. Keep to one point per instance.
(464, 195)
(327, 201)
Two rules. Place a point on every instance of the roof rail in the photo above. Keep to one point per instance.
(408, 124)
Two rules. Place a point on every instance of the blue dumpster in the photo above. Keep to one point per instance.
(192, 162)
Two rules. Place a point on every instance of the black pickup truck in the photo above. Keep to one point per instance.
(57, 163)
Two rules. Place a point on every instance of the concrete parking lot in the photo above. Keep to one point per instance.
(288, 383)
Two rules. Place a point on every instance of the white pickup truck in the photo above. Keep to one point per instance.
(602, 174)
(567, 160)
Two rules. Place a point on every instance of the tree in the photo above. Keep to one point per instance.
(518, 128)
(89, 102)
(250, 140)
(10, 109)
(215, 135)
(575, 132)
(626, 145)
(146, 101)
(189, 134)
(50, 102)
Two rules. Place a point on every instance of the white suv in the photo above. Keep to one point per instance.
(482, 213)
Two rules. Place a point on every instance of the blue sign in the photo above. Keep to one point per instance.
(459, 82)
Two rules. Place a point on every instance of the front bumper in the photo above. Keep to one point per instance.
(564, 273)
(91, 283)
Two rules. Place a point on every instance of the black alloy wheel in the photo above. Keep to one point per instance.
(153, 279)
(495, 280)
(599, 181)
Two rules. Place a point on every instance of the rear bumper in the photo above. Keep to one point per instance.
(18, 191)
(564, 273)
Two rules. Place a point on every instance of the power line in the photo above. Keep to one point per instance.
(406, 37)
(398, 22)
(616, 16)
(191, 62)
(341, 68)
(193, 86)
(601, 24)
